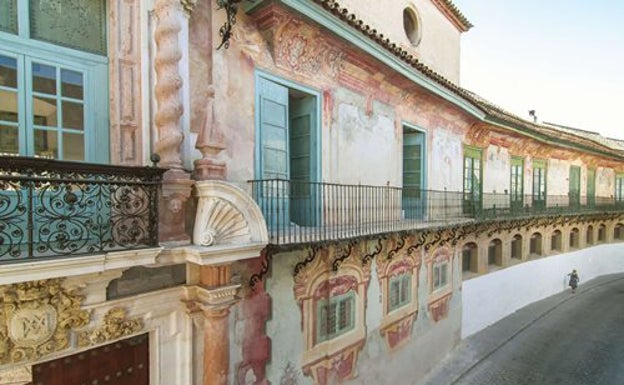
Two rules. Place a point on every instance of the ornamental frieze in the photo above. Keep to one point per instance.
(116, 325)
(37, 318)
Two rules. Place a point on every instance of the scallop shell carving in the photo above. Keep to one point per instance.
(224, 224)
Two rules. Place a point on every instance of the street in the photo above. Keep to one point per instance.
(580, 340)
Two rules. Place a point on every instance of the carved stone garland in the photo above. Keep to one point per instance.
(116, 325)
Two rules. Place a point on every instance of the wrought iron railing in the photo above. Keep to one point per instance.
(303, 212)
(52, 208)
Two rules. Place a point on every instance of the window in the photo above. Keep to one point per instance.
(555, 241)
(602, 233)
(619, 188)
(472, 180)
(536, 244)
(516, 247)
(411, 25)
(440, 275)
(517, 184)
(618, 232)
(469, 257)
(539, 183)
(590, 235)
(400, 291)
(495, 252)
(336, 316)
(574, 238)
(51, 64)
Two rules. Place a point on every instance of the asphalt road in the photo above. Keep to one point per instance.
(579, 342)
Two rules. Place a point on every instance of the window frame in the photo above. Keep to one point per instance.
(399, 280)
(94, 69)
(619, 188)
(338, 300)
(516, 182)
(439, 281)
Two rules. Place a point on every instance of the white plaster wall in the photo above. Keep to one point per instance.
(367, 147)
(605, 182)
(493, 296)
(439, 47)
(496, 170)
(557, 177)
(446, 161)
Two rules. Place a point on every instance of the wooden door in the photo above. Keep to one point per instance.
(121, 363)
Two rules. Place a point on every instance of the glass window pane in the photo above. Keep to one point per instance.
(8, 16)
(8, 140)
(8, 70)
(46, 144)
(73, 146)
(71, 84)
(44, 78)
(73, 115)
(8, 106)
(44, 112)
(75, 24)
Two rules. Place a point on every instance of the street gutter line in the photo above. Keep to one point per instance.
(530, 323)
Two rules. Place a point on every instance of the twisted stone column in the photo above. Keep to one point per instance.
(168, 83)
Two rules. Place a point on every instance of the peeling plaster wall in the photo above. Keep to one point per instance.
(446, 156)
(496, 170)
(557, 177)
(427, 345)
(605, 182)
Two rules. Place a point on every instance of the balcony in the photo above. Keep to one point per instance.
(306, 212)
(51, 209)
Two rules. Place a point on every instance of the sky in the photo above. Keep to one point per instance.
(562, 58)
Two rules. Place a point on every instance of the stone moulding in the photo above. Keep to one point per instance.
(37, 318)
(116, 325)
(227, 215)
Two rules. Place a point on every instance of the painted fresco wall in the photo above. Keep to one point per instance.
(496, 170)
(363, 104)
(447, 160)
(605, 182)
(439, 46)
(382, 346)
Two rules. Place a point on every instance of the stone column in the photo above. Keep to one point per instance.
(213, 297)
(169, 15)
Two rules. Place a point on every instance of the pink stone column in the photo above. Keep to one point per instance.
(216, 345)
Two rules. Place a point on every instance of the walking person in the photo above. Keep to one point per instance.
(574, 280)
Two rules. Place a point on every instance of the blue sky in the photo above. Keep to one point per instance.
(562, 58)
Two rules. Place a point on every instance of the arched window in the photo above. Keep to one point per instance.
(574, 238)
(602, 233)
(470, 257)
(618, 232)
(495, 253)
(516, 247)
(555, 241)
(536, 244)
(589, 236)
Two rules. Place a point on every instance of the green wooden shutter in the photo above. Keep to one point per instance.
(591, 187)
(413, 174)
(517, 184)
(273, 152)
(575, 185)
(303, 203)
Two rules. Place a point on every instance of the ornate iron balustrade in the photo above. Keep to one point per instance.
(304, 212)
(51, 208)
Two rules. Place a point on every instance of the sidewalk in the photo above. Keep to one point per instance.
(478, 347)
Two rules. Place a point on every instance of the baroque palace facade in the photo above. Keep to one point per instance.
(266, 192)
